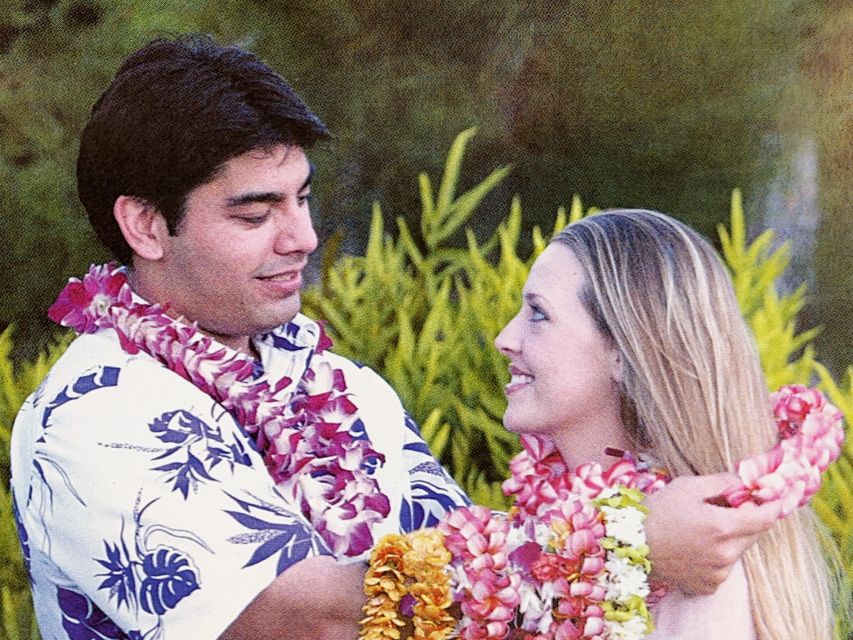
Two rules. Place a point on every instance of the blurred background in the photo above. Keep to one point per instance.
(647, 104)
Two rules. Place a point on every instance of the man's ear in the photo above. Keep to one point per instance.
(142, 225)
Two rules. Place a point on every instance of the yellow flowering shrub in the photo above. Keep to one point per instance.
(424, 313)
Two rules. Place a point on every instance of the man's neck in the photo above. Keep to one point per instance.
(238, 343)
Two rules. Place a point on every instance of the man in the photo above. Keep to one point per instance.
(144, 508)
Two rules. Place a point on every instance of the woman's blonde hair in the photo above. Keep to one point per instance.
(693, 390)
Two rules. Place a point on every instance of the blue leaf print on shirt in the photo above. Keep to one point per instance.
(169, 578)
(357, 430)
(186, 473)
(156, 579)
(430, 501)
(286, 343)
(119, 577)
(406, 517)
(419, 447)
(189, 432)
(83, 620)
(411, 425)
(279, 531)
(99, 379)
(234, 454)
(178, 427)
(433, 491)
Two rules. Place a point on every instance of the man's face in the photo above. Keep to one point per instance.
(235, 264)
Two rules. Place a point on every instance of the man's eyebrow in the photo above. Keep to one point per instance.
(267, 197)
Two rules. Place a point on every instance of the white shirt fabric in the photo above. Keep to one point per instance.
(144, 510)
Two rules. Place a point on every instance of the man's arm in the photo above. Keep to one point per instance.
(694, 544)
(315, 598)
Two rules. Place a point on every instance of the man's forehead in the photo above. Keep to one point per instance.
(266, 164)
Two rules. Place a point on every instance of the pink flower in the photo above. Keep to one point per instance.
(84, 305)
(548, 567)
(811, 433)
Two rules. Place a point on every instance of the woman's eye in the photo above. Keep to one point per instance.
(536, 314)
(305, 199)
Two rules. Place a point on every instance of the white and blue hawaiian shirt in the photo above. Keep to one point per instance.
(144, 511)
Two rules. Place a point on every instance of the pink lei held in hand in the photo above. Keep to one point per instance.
(810, 440)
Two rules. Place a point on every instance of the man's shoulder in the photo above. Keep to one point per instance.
(97, 362)
(87, 353)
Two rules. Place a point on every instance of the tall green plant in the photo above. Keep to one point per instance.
(16, 616)
(441, 310)
(788, 357)
(425, 315)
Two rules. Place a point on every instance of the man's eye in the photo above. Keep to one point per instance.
(305, 199)
(254, 219)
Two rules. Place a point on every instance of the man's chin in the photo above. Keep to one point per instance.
(284, 313)
(241, 335)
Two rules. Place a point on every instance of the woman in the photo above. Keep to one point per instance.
(630, 337)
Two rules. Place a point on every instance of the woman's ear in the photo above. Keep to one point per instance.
(142, 225)
(616, 369)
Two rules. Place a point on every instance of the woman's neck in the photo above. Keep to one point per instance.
(587, 441)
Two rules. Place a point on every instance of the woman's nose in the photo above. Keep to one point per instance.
(506, 341)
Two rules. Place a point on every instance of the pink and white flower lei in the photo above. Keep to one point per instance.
(301, 426)
(540, 570)
(563, 558)
(811, 434)
(486, 585)
(567, 555)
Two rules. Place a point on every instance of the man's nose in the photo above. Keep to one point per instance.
(296, 235)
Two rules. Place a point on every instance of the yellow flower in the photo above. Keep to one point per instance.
(414, 564)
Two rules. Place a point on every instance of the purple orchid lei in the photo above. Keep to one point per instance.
(302, 427)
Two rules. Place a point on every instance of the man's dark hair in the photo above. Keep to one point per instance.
(175, 112)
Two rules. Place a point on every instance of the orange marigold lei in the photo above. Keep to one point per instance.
(408, 573)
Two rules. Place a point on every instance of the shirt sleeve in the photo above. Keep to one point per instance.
(151, 508)
(419, 488)
(433, 492)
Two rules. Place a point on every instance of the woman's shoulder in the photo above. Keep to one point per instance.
(724, 615)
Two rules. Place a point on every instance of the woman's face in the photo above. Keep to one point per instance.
(564, 372)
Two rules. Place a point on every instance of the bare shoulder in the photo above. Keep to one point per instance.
(723, 615)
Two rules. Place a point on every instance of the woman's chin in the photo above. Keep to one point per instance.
(517, 425)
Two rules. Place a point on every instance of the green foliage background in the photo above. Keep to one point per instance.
(425, 314)
(663, 105)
